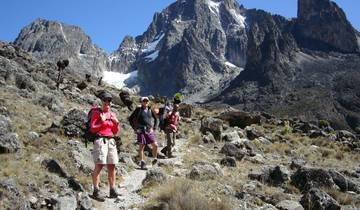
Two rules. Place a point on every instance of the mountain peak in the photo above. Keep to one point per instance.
(53, 41)
(322, 25)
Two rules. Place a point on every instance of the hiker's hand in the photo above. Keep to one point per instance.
(103, 117)
(114, 119)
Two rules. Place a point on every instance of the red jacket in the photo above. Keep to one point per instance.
(106, 128)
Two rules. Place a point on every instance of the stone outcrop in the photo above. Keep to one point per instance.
(322, 25)
(53, 41)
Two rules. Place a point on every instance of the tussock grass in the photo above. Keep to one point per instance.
(343, 198)
(194, 140)
(279, 148)
(183, 194)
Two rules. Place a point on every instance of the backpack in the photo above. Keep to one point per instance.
(172, 119)
(134, 120)
(88, 135)
(162, 121)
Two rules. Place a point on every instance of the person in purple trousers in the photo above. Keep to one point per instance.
(144, 122)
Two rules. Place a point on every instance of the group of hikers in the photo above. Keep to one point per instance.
(144, 121)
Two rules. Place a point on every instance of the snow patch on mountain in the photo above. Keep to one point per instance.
(119, 80)
(152, 45)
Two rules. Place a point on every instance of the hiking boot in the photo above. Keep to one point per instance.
(164, 150)
(143, 165)
(97, 195)
(154, 161)
(171, 156)
(113, 193)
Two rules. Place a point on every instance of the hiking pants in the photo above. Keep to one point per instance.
(170, 141)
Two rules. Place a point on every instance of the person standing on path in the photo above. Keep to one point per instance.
(172, 120)
(144, 122)
(105, 125)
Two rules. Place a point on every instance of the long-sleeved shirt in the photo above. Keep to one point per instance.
(107, 128)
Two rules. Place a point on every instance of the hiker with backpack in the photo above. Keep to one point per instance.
(105, 125)
(172, 119)
(144, 122)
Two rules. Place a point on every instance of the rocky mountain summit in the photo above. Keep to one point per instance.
(219, 52)
(197, 45)
(53, 41)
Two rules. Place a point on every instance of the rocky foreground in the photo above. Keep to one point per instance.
(226, 158)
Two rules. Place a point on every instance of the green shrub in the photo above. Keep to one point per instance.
(357, 130)
(287, 129)
(323, 123)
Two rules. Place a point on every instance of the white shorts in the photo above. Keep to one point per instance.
(105, 152)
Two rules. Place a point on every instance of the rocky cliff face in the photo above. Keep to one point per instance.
(322, 25)
(122, 60)
(291, 72)
(53, 41)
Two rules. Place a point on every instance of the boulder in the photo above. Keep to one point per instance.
(344, 135)
(214, 126)
(75, 184)
(54, 166)
(204, 171)
(82, 85)
(307, 178)
(316, 199)
(274, 176)
(317, 134)
(66, 202)
(289, 205)
(51, 102)
(208, 138)
(11, 197)
(81, 156)
(228, 161)
(231, 150)
(85, 202)
(297, 163)
(185, 110)
(5, 125)
(241, 119)
(230, 136)
(154, 175)
(252, 133)
(343, 183)
(9, 143)
(126, 99)
(73, 123)
(25, 82)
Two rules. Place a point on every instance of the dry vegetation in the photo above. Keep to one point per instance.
(184, 194)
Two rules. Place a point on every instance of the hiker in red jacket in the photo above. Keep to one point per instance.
(106, 125)
(172, 120)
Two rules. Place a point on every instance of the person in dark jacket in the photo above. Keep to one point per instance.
(144, 122)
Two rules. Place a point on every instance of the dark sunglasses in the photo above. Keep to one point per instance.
(107, 100)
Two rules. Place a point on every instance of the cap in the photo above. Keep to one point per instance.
(144, 98)
(106, 95)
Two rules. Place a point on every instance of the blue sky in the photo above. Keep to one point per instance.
(108, 21)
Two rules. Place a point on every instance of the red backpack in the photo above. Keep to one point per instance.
(172, 119)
